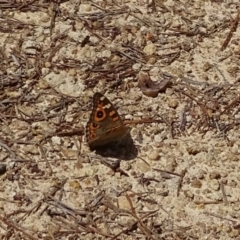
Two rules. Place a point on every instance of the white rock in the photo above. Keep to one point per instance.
(65, 84)
(154, 155)
(123, 203)
(149, 49)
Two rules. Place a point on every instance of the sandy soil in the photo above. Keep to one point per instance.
(179, 179)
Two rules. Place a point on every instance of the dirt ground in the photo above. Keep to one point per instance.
(171, 69)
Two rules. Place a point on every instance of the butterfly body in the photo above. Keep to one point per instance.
(105, 125)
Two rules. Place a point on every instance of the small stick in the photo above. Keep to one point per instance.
(218, 216)
(232, 30)
(8, 149)
(165, 171)
(223, 193)
(13, 225)
(181, 180)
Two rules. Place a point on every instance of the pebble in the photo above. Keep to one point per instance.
(42, 84)
(31, 149)
(171, 165)
(232, 157)
(150, 49)
(3, 168)
(234, 233)
(142, 167)
(214, 175)
(65, 84)
(123, 203)
(201, 174)
(214, 184)
(188, 194)
(193, 149)
(196, 183)
(72, 72)
(154, 155)
(158, 138)
(103, 228)
(172, 103)
(56, 140)
(75, 185)
(151, 60)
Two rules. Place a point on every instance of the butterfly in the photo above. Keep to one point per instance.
(105, 125)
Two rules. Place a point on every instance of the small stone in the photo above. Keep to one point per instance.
(103, 228)
(48, 64)
(126, 166)
(188, 194)
(52, 229)
(13, 94)
(232, 157)
(65, 84)
(87, 182)
(136, 66)
(181, 214)
(123, 203)
(226, 228)
(193, 150)
(158, 138)
(105, 54)
(214, 175)
(3, 168)
(236, 208)
(31, 149)
(233, 214)
(30, 47)
(171, 165)
(172, 103)
(150, 174)
(164, 193)
(169, 91)
(151, 60)
(75, 185)
(196, 183)
(142, 167)
(43, 84)
(224, 181)
(201, 174)
(215, 185)
(232, 183)
(206, 66)
(88, 7)
(118, 175)
(72, 72)
(154, 155)
(11, 165)
(150, 49)
(56, 140)
(206, 191)
(234, 233)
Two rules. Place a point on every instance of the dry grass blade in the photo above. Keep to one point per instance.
(16, 226)
(181, 181)
(141, 225)
(232, 30)
(13, 155)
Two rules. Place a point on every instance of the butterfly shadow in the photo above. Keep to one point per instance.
(122, 150)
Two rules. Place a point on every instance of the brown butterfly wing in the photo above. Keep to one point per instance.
(105, 124)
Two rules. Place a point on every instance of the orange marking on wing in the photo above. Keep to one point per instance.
(115, 119)
(112, 113)
(92, 136)
(99, 110)
(93, 126)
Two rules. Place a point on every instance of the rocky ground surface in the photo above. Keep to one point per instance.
(171, 69)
